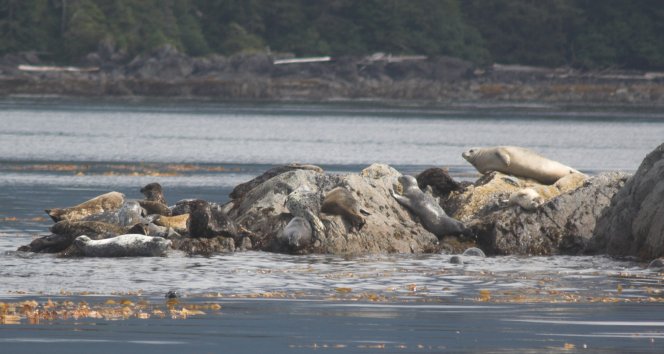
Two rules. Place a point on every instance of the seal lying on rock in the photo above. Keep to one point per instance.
(517, 161)
(109, 202)
(340, 201)
(296, 235)
(526, 198)
(64, 233)
(304, 203)
(431, 215)
(130, 245)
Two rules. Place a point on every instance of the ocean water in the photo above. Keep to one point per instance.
(56, 152)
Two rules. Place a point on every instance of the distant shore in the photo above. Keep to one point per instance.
(167, 73)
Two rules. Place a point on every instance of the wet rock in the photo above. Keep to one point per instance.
(564, 224)
(204, 246)
(633, 225)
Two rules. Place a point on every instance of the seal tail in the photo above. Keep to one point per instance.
(54, 214)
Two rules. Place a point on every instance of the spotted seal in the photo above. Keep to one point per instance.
(517, 161)
(439, 180)
(108, 202)
(431, 215)
(129, 245)
(296, 235)
(305, 203)
(340, 201)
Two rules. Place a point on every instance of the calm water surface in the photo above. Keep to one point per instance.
(59, 153)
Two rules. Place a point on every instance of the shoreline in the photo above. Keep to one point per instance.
(258, 77)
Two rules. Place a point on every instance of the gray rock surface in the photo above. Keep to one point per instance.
(564, 224)
(390, 228)
(634, 223)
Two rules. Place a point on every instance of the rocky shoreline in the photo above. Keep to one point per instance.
(259, 76)
(612, 213)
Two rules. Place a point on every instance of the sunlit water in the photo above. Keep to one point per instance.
(59, 153)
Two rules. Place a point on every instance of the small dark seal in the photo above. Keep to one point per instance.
(207, 221)
(154, 193)
(154, 202)
(440, 181)
(340, 201)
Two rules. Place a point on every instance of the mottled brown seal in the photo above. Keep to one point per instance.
(517, 161)
(109, 202)
(153, 192)
(340, 201)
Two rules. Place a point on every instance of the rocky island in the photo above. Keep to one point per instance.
(302, 209)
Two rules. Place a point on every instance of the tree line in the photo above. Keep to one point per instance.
(623, 34)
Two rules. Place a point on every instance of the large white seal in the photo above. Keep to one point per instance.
(129, 245)
(517, 161)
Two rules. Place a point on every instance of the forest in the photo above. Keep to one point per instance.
(586, 34)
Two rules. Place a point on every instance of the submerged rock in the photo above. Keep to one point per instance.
(633, 225)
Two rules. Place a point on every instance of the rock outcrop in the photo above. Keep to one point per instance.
(563, 225)
(633, 225)
(389, 228)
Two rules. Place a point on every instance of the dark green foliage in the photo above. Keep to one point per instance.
(582, 33)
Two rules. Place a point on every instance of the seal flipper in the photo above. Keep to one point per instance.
(504, 156)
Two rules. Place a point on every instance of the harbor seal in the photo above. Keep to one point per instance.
(154, 193)
(517, 161)
(129, 245)
(304, 203)
(340, 201)
(65, 232)
(526, 198)
(296, 235)
(109, 202)
(208, 220)
(439, 180)
(431, 215)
